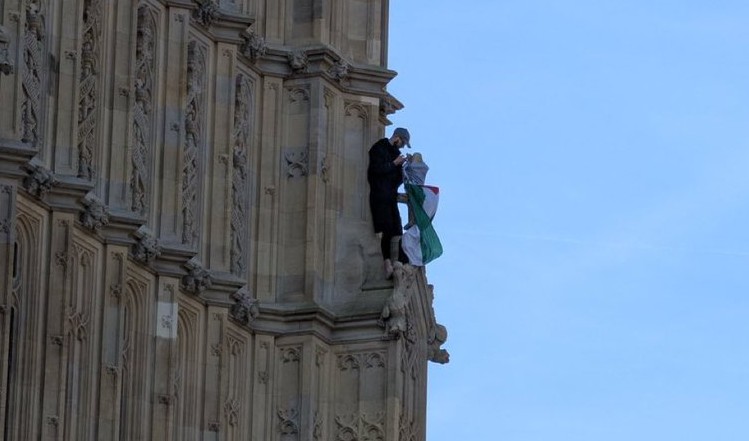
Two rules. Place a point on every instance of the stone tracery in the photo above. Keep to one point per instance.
(142, 110)
(182, 236)
(89, 88)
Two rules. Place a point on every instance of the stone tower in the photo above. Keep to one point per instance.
(186, 250)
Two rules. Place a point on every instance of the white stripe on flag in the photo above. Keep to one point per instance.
(420, 241)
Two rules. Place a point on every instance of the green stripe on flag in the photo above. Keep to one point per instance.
(431, 247)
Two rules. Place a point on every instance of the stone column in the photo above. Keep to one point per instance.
(266, 237)
(8, 274)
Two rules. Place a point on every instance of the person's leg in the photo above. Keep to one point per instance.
(396, 250)
(385, 244)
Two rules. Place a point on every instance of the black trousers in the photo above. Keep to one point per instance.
(387, 220)
(385, 246)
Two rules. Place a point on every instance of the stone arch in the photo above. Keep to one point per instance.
(135, 346)
(26, 310)
(186, 380)
(357, 110)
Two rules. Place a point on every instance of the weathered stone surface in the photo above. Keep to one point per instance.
(183, 233)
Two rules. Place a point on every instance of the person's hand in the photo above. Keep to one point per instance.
(399, 160)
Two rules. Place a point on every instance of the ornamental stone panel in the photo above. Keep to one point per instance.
(186, 250)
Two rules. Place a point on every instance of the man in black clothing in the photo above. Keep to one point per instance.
(385, 175)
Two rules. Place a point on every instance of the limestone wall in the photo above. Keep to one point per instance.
(185, 242)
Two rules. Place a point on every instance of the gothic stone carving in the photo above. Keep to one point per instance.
(339, 71)
(239, 187)
(387, 106)
(244, 309)
(194, 117)
(254, 46)
(87, 116)
(167, 322)
(6, 65)
(393, 314)
(33, 59)
(324, 169)
(407, 430)
(39, 180)
(78, 323)
(95, 214)
(234, 345)
(360, 426)
(320, 355)
(231, 410)
(147, 247)
(198, 279)
(317, 429)
(291, 354)
(438, 337)
(7, 217)
(298, 61)
(142, 110)
(368, 360)
(288, 424)
(297, 163)
(206, 12)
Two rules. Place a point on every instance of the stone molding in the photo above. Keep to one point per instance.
(179, 216)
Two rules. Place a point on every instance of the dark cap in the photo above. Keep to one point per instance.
(403, 134)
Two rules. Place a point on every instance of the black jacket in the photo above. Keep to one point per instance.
(384, 177)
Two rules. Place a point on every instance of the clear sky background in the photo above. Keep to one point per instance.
(593, 159)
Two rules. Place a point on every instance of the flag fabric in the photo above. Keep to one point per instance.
(420, 241)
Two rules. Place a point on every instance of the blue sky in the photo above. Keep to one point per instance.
(593, 160)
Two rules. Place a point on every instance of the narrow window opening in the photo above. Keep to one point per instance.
(10, 374)
(15, 260)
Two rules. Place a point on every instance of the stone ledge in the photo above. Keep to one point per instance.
(13, 154)
(323, 61)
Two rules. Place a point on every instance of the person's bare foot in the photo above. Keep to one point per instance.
(388, 269)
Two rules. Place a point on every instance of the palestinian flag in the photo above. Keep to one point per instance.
(420, 241)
